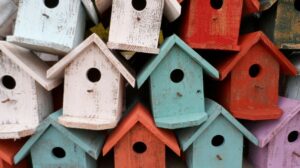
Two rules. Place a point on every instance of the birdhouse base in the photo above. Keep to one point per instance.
(15, 131)
(88, 123)
(183, 121)
(42, 46)
(127, 47)
(208, 46)
(255, 114)
(290, 46)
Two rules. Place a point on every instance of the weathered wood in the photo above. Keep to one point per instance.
(137, 142)
(58, 146)
(176, 85)
(266, 4)
(99, 103)
(91, 11)
(249, 89)
(24, 101)
(8, 12)
(56, 29)
(277, 135)
(216, 143)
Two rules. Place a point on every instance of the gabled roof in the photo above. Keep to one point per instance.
(89, 141)
(57, 70)
(265, 131)
(91, 11)
(251, 6)
(139, 114)
(266, 4)
(168, 44)
(187, 136)
(9, 148)
(29, 63)
(247, 42)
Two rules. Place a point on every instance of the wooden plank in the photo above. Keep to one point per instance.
(7, 15)
(91, 11)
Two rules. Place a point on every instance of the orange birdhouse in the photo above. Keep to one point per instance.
(8, 149)
(137, 142)
(250, 78)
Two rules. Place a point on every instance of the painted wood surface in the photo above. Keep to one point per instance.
(135, 29)
(277, 146)
(219, 24)
(91, 11)
(8, 11)
(249, 89)
(81, 147)
(177, 103)
(218, 142)
(8, 149)
(266, 4)
(103, 96)
(56, 30)
(250, 7)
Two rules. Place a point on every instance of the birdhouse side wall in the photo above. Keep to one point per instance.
(292, 87)
(177, 85)
(54, 149)
(139, 148)
(44, 102)
(7, 15)
(257, 156)
(136, 27)
(219, 26)
(208, 150)
(18, 93)
(255, 79)
(97, 99)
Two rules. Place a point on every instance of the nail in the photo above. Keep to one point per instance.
(219, 157)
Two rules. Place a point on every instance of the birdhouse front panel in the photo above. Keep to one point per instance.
(177, 89)
(55, 26)
(54, 149)
(254, 85)
(218, 20)
(135, 25)
(287, 24)
(220, 145)
(94, 79)
(139, 148)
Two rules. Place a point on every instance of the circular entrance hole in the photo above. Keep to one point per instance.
(297, 5)
(51, 3)
(8, 82)
(293, 136)
(139, 147)
(177, 75)
(93, 75)
(58, 152)
(139, 4)
(254, 70)
(216, 4)
(217, 140)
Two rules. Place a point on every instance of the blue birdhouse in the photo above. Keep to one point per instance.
(176, 85)
(216, 143)
(56, 146)
(51, 26)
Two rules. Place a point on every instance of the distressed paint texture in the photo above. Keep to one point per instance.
(8, 12)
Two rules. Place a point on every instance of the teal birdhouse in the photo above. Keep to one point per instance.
(56, 146)
(51, 26)
(216, 143)
(176, 85)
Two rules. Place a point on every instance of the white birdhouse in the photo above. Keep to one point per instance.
(53, 26)
(93, 87)
(8, 12)
(24, 99)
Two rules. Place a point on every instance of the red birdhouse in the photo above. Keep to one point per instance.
(137, 142)
(249, 89)
(214, 24)
(8, 149)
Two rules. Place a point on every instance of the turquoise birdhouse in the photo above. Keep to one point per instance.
(176, 85)
(51, 26)
(216, 143)
(56, 146)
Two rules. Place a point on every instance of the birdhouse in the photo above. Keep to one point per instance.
(266, 4)
(54, 26)
(8, 149)
(250, 79)
(57, 146)
(291, 88)
(8, 12)
(96, 76)
(137, 142)
(281, 23)
(279, 140)
(176, 85)
(218, 22)
(216, 143)
(24, 97)
(135, 24)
